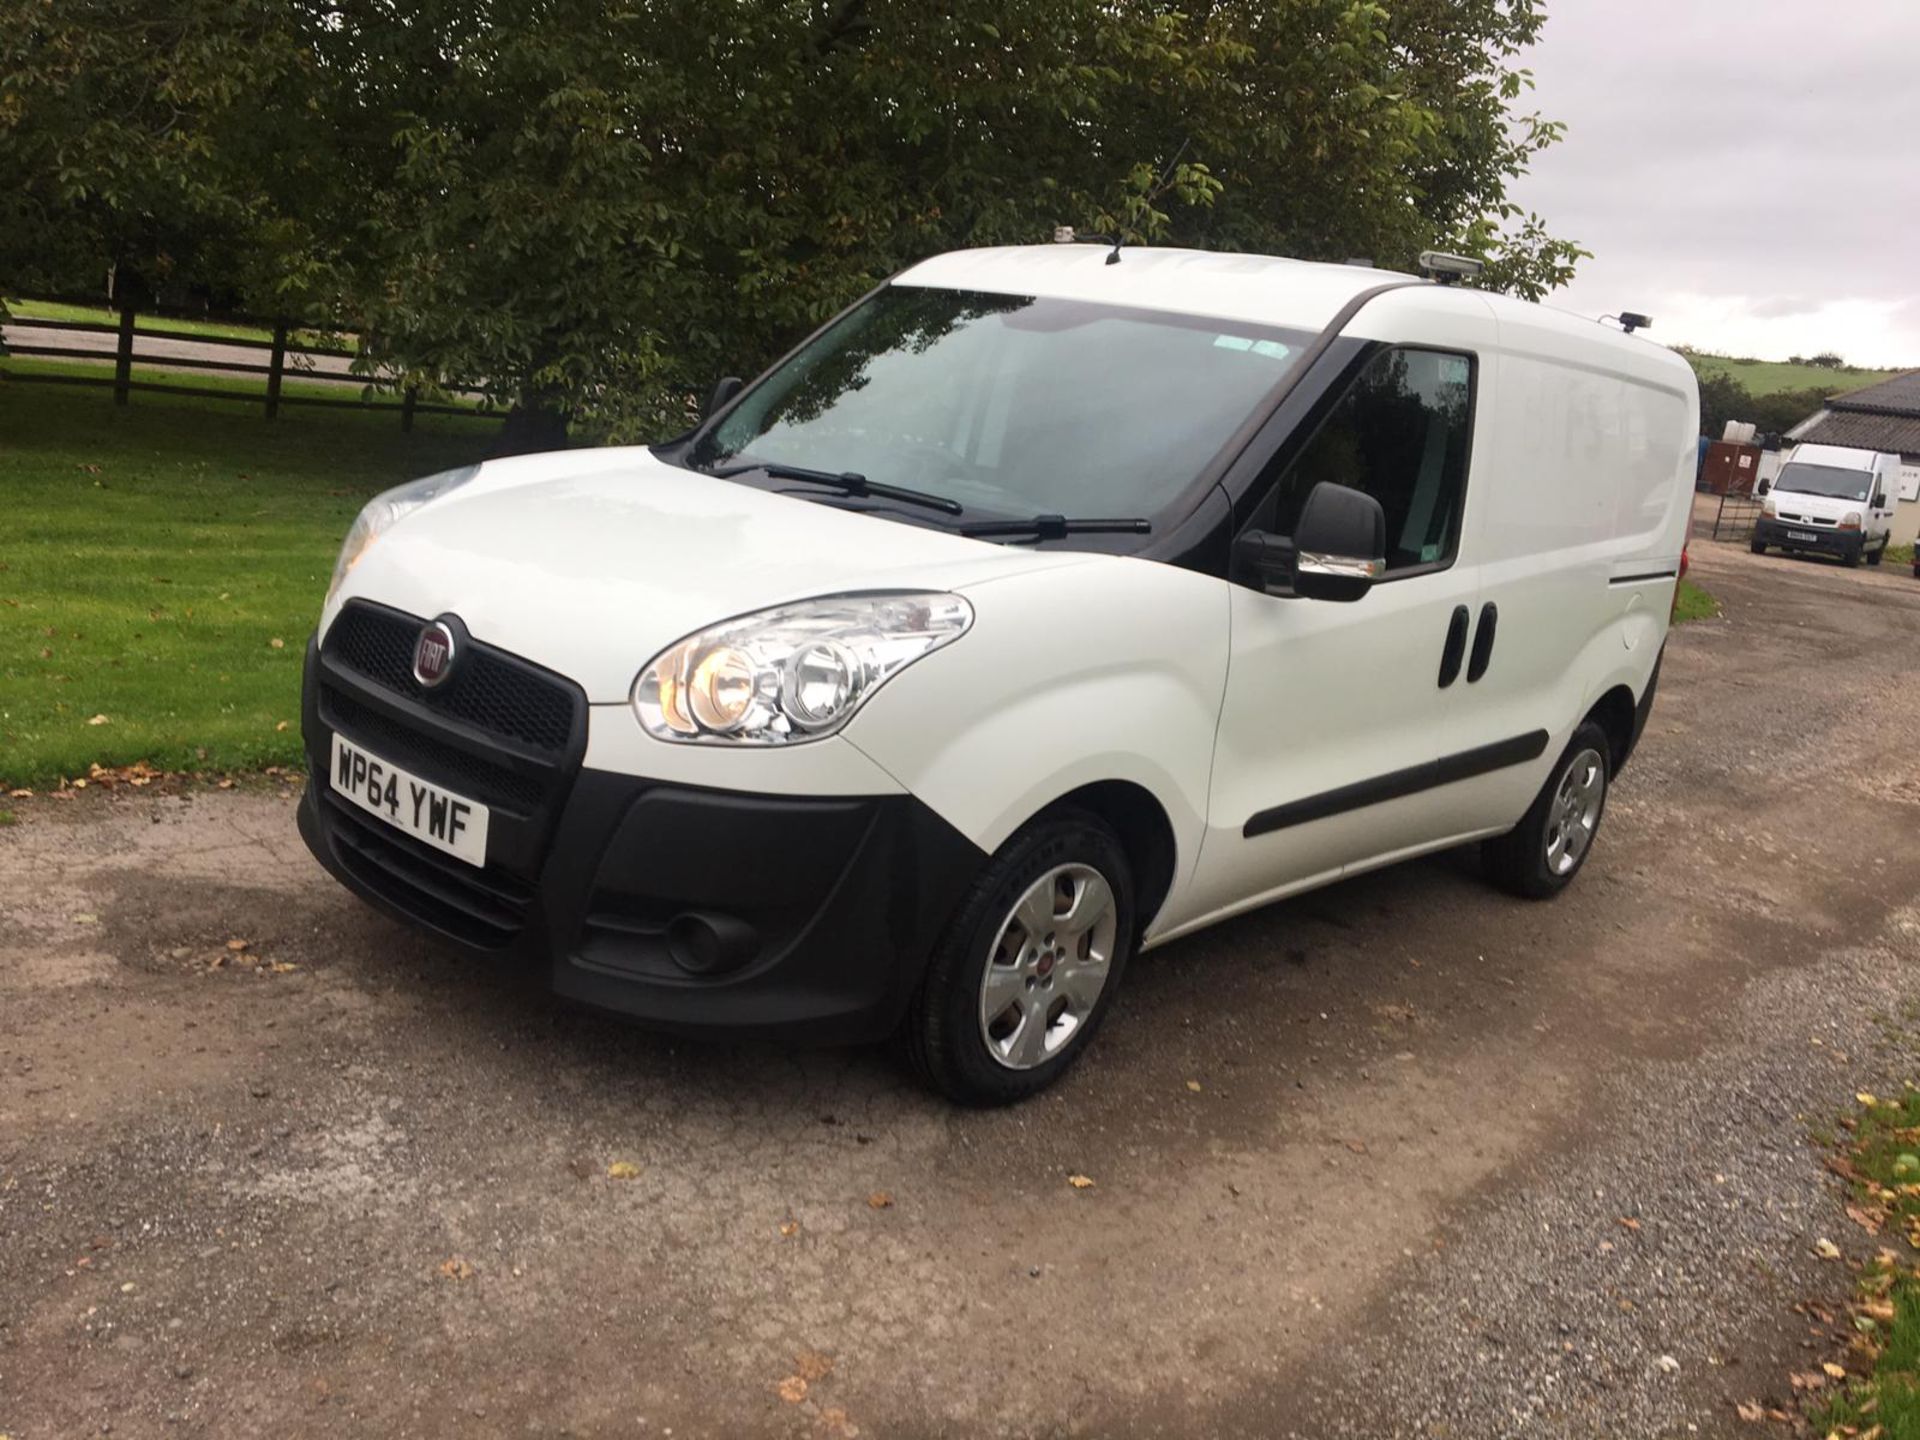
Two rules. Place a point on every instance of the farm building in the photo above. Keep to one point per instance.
(1881, 417)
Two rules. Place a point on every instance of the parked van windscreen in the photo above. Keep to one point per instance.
(1009, 404)
(1828, 480)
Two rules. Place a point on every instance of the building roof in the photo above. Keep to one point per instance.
(1862, 430)
(1898, 396)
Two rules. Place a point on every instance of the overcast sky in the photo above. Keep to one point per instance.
(1747, 172)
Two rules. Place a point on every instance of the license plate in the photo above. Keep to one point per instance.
(1801, 535)
(418, 807)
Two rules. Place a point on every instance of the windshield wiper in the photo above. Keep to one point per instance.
(846, 482)
(1055, 527)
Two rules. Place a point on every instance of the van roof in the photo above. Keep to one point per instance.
(1253, 289)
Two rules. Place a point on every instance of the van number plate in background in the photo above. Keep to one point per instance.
(422, 809)
(1801, 535)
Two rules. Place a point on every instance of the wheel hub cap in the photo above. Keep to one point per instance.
(1574, 813)
(1048, 965)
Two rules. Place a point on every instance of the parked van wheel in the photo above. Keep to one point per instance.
(1759, 547)
(1029, 967)
(1877, 556)
(1539, 857)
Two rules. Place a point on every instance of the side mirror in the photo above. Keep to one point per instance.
(1763, 487)
(1341, 543)
(722, 395)
(1264, 559)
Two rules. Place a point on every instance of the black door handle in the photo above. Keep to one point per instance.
(1456, 647)
(1483, 642)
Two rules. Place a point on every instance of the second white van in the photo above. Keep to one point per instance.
(1041, 608)
(1830, 500)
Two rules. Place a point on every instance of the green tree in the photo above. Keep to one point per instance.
(594, 209)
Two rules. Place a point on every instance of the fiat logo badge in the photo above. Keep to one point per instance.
(433, 654)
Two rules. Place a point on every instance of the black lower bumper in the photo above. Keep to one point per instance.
(1784, 536)
(689, 909)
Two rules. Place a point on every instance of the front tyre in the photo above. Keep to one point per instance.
(1539, 857)
(1028, 969)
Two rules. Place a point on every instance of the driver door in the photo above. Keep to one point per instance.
(1328, 750)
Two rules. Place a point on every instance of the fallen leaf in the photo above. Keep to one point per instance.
(1834, 1372)
(99, 720)
(1806, 1380)
(1826, 1249)
(456, 1267)
(279, 727)
(1865, 1099)
(1080, 1182)
(812, 1365)
(1627, 1222)
(792, 1389)
(1358, 1147)
(623, 1170)
(881, 1200)
(1194, 1085)
(1749, 1411)
(238, 945)
(789, 1228)
(1865, 1221)
(277, 643)
(281, 967)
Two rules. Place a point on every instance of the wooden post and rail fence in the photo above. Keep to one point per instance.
(288, 343)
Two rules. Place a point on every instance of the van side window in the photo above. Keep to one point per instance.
(1400, 433)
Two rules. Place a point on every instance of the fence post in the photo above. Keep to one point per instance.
(407, 402)
(123, 358)
(275, 367)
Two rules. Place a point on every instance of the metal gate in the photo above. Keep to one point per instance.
(1734, 517)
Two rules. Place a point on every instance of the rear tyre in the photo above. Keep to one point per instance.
(1026, 973)
(1539, 857)
(1877, 556)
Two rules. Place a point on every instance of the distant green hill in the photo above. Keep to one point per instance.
(1770, 377)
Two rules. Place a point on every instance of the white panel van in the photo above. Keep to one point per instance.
(1830, 500)
(1035, 611)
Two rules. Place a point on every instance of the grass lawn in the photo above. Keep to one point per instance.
(1695, 603)
(163, 564)
(212, 329)
(1878, 1389)
(1769, 377)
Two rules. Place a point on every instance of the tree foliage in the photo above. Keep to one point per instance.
(595, 207)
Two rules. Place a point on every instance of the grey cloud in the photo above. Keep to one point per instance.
(1757, 148)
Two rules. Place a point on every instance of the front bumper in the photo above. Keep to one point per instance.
(1811, 539)
(689, 909)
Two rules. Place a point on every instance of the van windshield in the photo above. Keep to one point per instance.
(1008, 404)
(1829, 480)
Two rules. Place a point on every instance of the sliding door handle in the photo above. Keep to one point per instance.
(1483, 642)
(1455, 649)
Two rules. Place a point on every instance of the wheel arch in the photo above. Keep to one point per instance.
(1146, 834)
(1615, 712)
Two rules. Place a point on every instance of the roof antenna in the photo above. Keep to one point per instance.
(1629, 321)
(1065, 235)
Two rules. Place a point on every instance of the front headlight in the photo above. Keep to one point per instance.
(1852, 520)
(793, 673)
(1769, 507)
(382, 512)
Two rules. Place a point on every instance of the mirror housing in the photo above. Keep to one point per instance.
(723, 393)
(1264, 560)
(1763, 487)
(1340, 544)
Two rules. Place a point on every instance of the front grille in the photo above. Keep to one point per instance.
(408, 748)
(488, 690)
(500, 730)
(485, 907)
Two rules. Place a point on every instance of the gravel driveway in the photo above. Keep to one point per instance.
(1361, 1160)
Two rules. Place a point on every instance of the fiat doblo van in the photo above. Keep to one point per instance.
(1830, 500)
(1035, 611)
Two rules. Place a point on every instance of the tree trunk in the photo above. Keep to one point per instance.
(531, 427)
